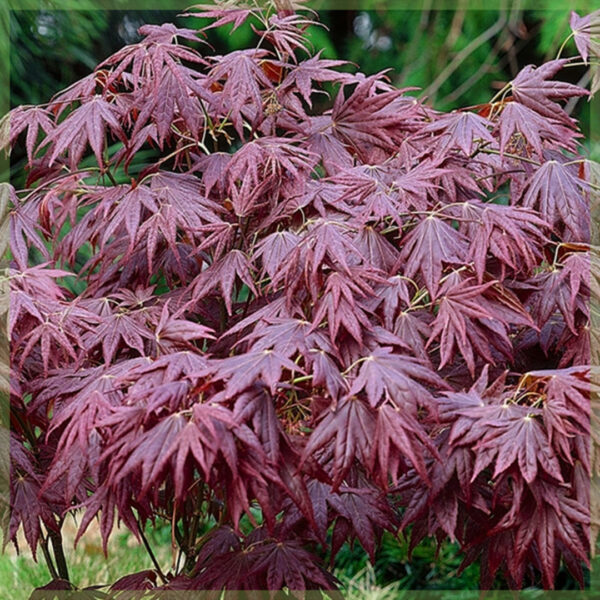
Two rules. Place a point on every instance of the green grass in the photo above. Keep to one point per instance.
(20, 574)
(387, 579)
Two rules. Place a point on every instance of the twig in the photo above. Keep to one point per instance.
(150, 553)
(515, 156)
(475, 77)
(464, 54)
(583, 82)
(47, 557)
(59, 554)
(464, 87)
(416, 42)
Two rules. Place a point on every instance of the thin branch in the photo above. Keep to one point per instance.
(464, 54)
(515, 156)
(464, 87)
(49, 562)
(150, 552)
(475, 77)
(583, 82)
(416, 43)
(59, 553)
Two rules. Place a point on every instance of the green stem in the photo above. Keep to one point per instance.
(562, 46)
(501, 93)
(301, 379)
(111, 177)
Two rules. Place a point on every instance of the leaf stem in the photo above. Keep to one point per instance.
(562, 46)
(301, 379)
(501, 93)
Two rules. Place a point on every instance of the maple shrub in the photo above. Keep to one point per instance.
(302, 323)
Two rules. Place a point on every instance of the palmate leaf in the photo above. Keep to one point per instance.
(356, 512)
(210, 437)
(244, 370)
(339, 304)
(172, 98)
(558, 194)
(78, 452)
(400, 436)
(556, 532)
(322, 141)
(467, 313)
(293, 313)
(163, 89)
(261, 164)
(418, 182)
(517, 437)
(274, 249)
(243, 81)
(120, 329)
(55, 345)
(300, 77)
(287, 337)
(344, 436)
(328, 243)
(224, 12)
(86, 124)
(376, 250)
(362, 512)
(566, 409)
(387, 375)
(102, 504)
(564, 289)
(545, 524)
(428, 248)
(166, 210)
(326, 371)
(392, 296)
(462, 130)
(223, 273)
(24, 231)
(413, 327)
(386, 111)
(434, 507)
(533, 88)
(173, 333)
(518, 120)
(143, 580)
(586, 33)
(149, 59)
(34, 119)
(286, 33)
(35, 293)
(376, 192)
(265, 564)
(28, 507)
(511, 234)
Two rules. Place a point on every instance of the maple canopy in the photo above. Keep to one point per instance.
(320, 310)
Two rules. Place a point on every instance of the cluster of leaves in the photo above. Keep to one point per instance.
(325, 324)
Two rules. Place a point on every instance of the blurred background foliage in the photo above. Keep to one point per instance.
(458, 57)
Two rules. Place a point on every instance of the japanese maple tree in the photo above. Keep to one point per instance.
(302, 322)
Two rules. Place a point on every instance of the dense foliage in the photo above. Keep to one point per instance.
(302, 327)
